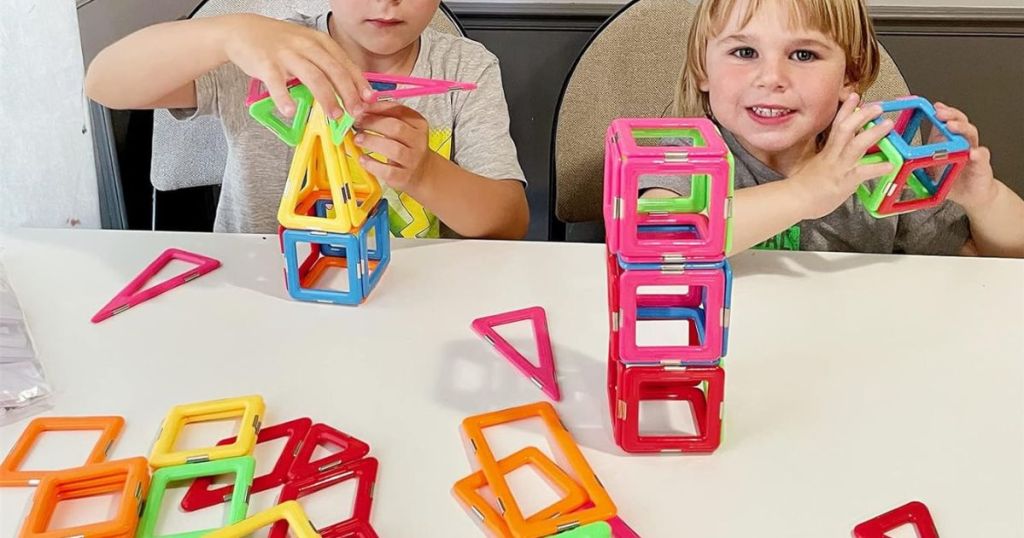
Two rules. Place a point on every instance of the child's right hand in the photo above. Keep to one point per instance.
(826, 180)
(275, 51)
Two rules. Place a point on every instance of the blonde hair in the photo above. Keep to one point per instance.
(845, 21)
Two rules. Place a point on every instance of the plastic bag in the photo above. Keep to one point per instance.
(23, 387)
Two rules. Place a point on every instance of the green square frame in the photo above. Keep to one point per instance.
(697, 200)
(243, 467)
(265, 112)
(872, 199)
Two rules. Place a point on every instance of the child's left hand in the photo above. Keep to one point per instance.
(400, 135)
(976, 186)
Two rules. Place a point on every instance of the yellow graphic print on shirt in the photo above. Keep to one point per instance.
(406, 216)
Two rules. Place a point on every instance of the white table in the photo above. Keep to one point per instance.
(855, 383)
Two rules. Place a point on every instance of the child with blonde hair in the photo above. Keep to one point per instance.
(783, 79)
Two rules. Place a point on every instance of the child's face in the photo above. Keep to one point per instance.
(774, 86)
(383, 27)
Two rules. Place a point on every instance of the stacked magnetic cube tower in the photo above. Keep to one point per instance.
(922, 174)
(330, 203)
(666, 263)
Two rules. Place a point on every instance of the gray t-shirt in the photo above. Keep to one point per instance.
(941, 230)
(469, 128)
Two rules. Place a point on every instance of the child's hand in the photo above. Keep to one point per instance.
(976, 186)
(826, 180)
(399, 134)
(275, 51)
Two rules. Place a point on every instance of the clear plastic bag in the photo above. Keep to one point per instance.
(24, 390)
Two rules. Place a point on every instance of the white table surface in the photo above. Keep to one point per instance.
(855, 383)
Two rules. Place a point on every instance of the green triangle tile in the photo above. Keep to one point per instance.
(291, 132)
(340, 127)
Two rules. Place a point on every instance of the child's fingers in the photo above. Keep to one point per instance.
(399, 111)
(838, 135)
(348, 87)
(277, 87)
(360, 91)
(389, 127)
(848, 123)
(340, 80)
(861, 143)
(844, 132)
(980, 155)
(863, 115)
(318, 83)
(383, 172)
(385, 108)
(957, 122)
(395, 152)
(966, 130)
(871, 171)
(946, 113)
(848, 107)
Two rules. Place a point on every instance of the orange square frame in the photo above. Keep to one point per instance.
(467, 490)
(603, 508)
(128, 476)
(10, 475)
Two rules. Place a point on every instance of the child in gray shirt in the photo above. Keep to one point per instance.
(941, 230)
(446, 162)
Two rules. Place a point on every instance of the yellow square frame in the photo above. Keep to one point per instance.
(249, 408)
(328, 170)
(290, 511)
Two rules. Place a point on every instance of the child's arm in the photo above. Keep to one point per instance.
(156, 67)
(995, 212)
(766, 210)
(821, 185)
(997, 227)
(470, 204)
(473, 205)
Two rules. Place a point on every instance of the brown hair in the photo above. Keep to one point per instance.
(845, 21)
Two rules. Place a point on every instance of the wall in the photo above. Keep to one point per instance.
(106, 21)
(47, 175)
